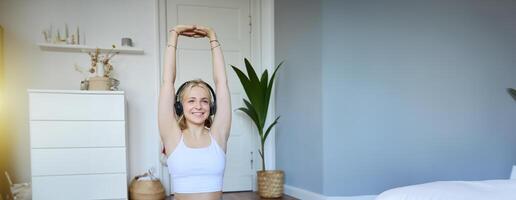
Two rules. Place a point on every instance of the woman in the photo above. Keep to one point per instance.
(195, 145)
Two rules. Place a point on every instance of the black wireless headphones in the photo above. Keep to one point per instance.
(179, 107)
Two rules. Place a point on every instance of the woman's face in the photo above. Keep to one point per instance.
(196, 105)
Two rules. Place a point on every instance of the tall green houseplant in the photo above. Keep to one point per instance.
(258, 92)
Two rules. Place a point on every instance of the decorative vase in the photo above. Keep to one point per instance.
(99, 83)
(270, 183)
(100, 69)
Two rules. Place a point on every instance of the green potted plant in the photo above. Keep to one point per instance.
(258, 91)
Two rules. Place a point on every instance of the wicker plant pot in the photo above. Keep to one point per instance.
(146, 190)
(270, 183)
(99, 83)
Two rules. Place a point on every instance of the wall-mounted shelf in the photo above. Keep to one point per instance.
(84, 48)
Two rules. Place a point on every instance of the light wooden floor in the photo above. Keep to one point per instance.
(246, 196)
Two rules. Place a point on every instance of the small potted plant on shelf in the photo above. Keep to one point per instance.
(258, 91)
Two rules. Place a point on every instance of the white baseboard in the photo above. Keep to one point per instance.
(308, 195)
(302, 194)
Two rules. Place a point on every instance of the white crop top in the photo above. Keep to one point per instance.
(197, 170)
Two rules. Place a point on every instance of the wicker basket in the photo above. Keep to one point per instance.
(99, 83)
(270, 183)
(146, 190)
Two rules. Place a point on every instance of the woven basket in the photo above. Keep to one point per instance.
(146, 190)
(270, 183)
(99, 83)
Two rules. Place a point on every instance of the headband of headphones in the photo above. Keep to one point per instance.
(179, 107)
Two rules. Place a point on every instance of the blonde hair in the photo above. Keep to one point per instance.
(194, 83)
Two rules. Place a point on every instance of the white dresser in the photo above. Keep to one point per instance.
(78, 144)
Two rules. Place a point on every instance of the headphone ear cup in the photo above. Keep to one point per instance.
(213, 109)
(179, 108)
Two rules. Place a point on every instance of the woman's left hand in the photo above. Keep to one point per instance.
(206, 31)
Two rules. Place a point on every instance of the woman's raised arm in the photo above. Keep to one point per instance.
(167, 122)
(222, 120)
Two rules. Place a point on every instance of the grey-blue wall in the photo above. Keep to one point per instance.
(298, 92)
(412, 91)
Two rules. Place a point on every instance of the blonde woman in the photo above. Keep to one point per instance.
(194, 123)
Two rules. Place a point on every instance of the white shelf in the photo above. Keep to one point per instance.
(84, 48)
(75, 91)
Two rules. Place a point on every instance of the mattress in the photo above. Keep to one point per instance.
(454, 190)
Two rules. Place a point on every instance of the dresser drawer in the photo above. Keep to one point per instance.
(51, 134)
(76, 106)
(47, 162)
(98, 186)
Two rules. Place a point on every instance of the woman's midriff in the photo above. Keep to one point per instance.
(198, 196)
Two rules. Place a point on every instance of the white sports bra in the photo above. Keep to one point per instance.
(197, 170)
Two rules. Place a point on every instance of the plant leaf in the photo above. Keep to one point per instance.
(256, 96)
(269, 87)
(249, 113)
(243, 78)
(260, 152)
(256, 119)
(270, 128)
(250, 87)
(250, 71)
(512, 92)
(252, 114)
(264, 80)
(263, 88)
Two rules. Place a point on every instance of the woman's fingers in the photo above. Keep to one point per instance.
(199, 36)
(195, 31)
(188, 33)
(202, 28)
(200, 32)
(183, 28)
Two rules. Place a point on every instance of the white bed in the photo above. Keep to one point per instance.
(454, 190)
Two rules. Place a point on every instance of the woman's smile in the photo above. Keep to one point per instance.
(198, 114)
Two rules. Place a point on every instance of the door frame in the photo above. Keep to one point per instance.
(262, 54)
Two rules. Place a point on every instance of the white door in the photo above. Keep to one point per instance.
(231, 21)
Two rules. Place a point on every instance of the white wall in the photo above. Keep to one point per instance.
(104, 23)
(409, 91)
(415, 92)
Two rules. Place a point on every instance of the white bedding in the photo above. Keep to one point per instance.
(454, 190)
